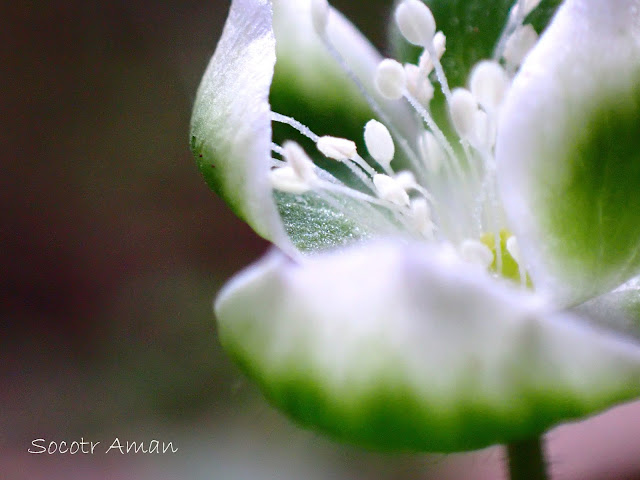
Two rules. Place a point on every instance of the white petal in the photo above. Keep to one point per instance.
(231, 121)
(567, 151)
(402, 346)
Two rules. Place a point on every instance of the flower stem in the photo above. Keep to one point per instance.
(527, 460)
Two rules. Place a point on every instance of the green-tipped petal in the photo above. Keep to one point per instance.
(231, 121)
(404, 347)
(231, 129)
(568, 151)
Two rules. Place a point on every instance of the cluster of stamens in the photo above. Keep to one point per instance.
(466, 167)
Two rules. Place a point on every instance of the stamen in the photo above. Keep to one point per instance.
(524, 8)
(389, 189)
(319, 15)
(483, 133)
(440, 75)
(496, 240)
(297, 175)
(407, 181)
(390, 79)
(379, 144)
(420, 216)
(476, 252)
(416, 22)
(303, 129)
(285, 179)
(418, 84)
(431, 152)
(489, 84)
(463, 109)
(518, 46)
(514, 250)
(277, 163)
(357, 195)
(439, 46)
(299, 161)
(517, 14)
(339, 149)
(277, 149)
(345, 151)
(373, 104)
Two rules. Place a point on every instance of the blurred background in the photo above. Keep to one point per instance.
(112, 249)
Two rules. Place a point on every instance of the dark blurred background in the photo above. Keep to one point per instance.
(112, 249)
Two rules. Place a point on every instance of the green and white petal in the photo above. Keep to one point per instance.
(231, 129)
(405, 347)
(568, 151)
(231, 120)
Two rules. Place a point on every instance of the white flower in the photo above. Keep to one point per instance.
(442, 291)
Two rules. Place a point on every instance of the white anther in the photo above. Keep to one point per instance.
(519, 45)
(299, 161)
(489, 84)
(379, 142)
(418, 84)
(514, 249)
(339, 149)
(389, 189)
(320, 15)
(476, 252)
(390, 79)
(287, 180)
(420, 217)
(430, 151)
(439, 45)
(463, 111)
(416, 22)
(483, 134)
(406, 179)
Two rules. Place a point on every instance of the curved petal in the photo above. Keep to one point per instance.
(231, 120)
(231, 124)
(568, 151)
(404, 347)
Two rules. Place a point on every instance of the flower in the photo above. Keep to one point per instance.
(399, 311)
